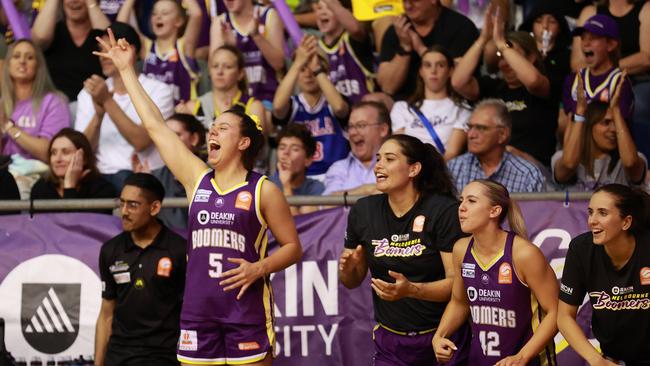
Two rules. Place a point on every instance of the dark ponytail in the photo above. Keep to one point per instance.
(434, 178)
(630, 202)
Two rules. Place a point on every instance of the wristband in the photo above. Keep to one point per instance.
(578, 118)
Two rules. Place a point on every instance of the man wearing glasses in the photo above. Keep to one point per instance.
(488, 134)
(368, 127)
(143, 275)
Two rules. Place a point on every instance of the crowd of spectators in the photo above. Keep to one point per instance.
(539, 95)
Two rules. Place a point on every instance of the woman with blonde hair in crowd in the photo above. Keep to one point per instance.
(33, 110)
(503, 281)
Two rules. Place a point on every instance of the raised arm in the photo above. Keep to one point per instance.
(185, 166)
(540, 278)
(462, 79)
(634, 166)
(336, 101)
(270, 44)
(98, 20)
(345, 17)
(282, 97)
(457, 309)
(532, 79)
(639, 63)
(44, 24)
(193, 27)
(565, 168)
(394, 67)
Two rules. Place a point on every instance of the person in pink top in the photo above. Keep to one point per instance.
(32, 109)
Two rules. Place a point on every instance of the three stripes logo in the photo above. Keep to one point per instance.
(50, 315)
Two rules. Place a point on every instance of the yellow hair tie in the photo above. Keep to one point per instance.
(257, 121)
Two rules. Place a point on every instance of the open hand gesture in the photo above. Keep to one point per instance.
(75, 171)
(306, 50)
(241, 277)
(391, 291)
(488, 23)
(118, 51)
(351, 259)
(614, 101)
(228, 34)
(581, 98)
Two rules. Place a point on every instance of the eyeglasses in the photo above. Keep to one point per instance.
(361, 126)
(130, 205)
(480, 128)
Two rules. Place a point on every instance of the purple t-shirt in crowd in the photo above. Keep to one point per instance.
(600, 88)
(52, 116)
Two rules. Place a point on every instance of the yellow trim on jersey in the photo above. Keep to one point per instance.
(223, 193)
(199, 361)
(267, 301)
(402, 333)
(196, 186)
(613, 74)
(545, 354)
(235, 100)
(247, 360)
(258, 201)
(488, 265)
(345, 37)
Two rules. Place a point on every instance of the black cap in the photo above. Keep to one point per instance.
(123, 30)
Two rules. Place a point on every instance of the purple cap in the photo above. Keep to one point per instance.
(600, 25)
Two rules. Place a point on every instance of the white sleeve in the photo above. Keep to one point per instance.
(163, 96)
(85, 111)
(399, 115)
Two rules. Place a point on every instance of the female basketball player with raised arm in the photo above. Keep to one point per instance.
(227, 315)
(503, 281)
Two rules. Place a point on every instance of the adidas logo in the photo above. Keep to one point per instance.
(50, 316)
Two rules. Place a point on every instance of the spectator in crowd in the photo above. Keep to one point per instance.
(69, 43)
(348, 50)
(434, 113)
(192, 134)
(319, 106)
(487, 157)
(355, 174)
(610, 263)
(73, 171)
(548, 25)
(229, 88)
(296, 148)
(523, 86)
(633, 22)
(599, 150)
(109, 120)
(143, 277)
(169, 57)
(257, 31)
(405, 237)
(600, 45)
(425, 23)
(32, 109)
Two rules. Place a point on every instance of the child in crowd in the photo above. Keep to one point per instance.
(434, 112)
(229, 88)
(348, 49)
(319, 106)
(258, 33)
(170, 57)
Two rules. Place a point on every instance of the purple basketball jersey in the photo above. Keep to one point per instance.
(173, 69)
(504, 312)
(598, 88)
(261, 77)
(346, 71)
(223, 225)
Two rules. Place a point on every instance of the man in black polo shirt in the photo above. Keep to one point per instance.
(143, 276)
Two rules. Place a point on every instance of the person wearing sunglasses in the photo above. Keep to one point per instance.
(488, 134)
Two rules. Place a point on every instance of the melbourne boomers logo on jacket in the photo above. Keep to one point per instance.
(50, 315)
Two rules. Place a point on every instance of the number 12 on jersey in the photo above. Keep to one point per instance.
(489, 343)
(216, 267)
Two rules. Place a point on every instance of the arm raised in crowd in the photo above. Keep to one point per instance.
(270, 44)
(44, 24)
(185, 166)
(336, 101)
(565, 168)
(282, 97)
(462, 79)
(639, 63)
(193, 27)
(98, 20)
(533, 80)
(634, 166)
(391, 74)
(345, 17)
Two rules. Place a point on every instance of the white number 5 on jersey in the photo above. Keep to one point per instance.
(215, 265)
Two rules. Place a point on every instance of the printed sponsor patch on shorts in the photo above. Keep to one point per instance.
(188, 341)
(248, 346)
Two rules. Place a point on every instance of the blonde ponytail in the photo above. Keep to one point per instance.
(516, 220)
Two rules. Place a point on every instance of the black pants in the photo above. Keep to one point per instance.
(120, 355)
